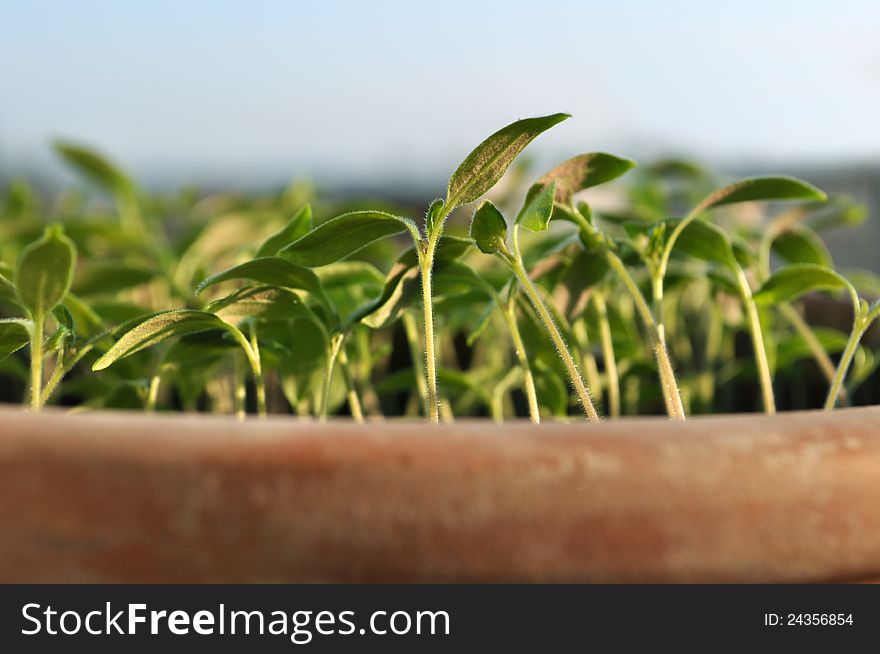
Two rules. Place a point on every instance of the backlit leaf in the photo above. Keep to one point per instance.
(486, 164)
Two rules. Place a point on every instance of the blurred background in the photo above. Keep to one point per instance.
(388, 96)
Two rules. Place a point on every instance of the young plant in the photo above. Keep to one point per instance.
(792, 282)
(489, 231)
(43, 276)
(478, 173)
(774, 188)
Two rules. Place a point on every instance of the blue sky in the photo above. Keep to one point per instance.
(369, 89)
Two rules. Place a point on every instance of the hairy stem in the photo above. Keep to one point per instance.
(37, 361)
(415, 351)
(671, 393)
(611, 373)
(520, 352)
(531, 292)
(426, 262)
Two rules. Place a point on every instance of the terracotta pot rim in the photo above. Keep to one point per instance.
(130, 497)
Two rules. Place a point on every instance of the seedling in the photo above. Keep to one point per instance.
(296, 303)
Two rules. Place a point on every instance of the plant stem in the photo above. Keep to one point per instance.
(611, 375)
(37, 362)
(240, 390)
(415, 351)
(153, 392)
(531, 292)
(671, 393)
(354, 401)
(819, 354)
(500, 389)
(259, 384)
(508, 310)
(426, 260)
(860, 325)
(332, 352)
(54, 379)
(764, 376)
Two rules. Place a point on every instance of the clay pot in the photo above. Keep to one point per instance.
(115, 497)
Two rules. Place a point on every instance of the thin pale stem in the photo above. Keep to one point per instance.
(506, 383)
(240, 390)
(826, 366)
(764, 376)
(611, 374)
(671, 393)
(426, 261)
(860, 325)
(55, 378)
(553, 331)
(354, 400)
(259, 384)
(520, 352)
(415, 350)
(37, 362)
(330, 363)
(153, 392)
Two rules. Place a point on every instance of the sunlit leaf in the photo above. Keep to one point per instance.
(486, 164)
(793, 281)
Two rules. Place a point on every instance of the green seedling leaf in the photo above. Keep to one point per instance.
(7, 290)
(45, 271)
(342, 236)
(760, 189)
(15, 333)
(435, 213)
(489, 229)
(800, 244)
(486, 164)
(95, 168)
(793, 281)
(581, 172)
(159, 327)
(705, 241)
(274, 271)
(297, 227)
(537, 212)
(263, 303)
(401, 289)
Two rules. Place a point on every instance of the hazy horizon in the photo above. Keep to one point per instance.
(179, 92)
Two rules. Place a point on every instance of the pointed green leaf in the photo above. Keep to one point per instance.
(760, 189)
(401, 289)
(95, 168)
(706, 241)
(159, 327)
(535, 215)
(297, 227)
(45, 271)
(342, 236)
(486, 164)
(582, 172)
(792, 282)
(489, 229)
(800, 244)
(261, 302)
(269, 270)
(15, 333)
